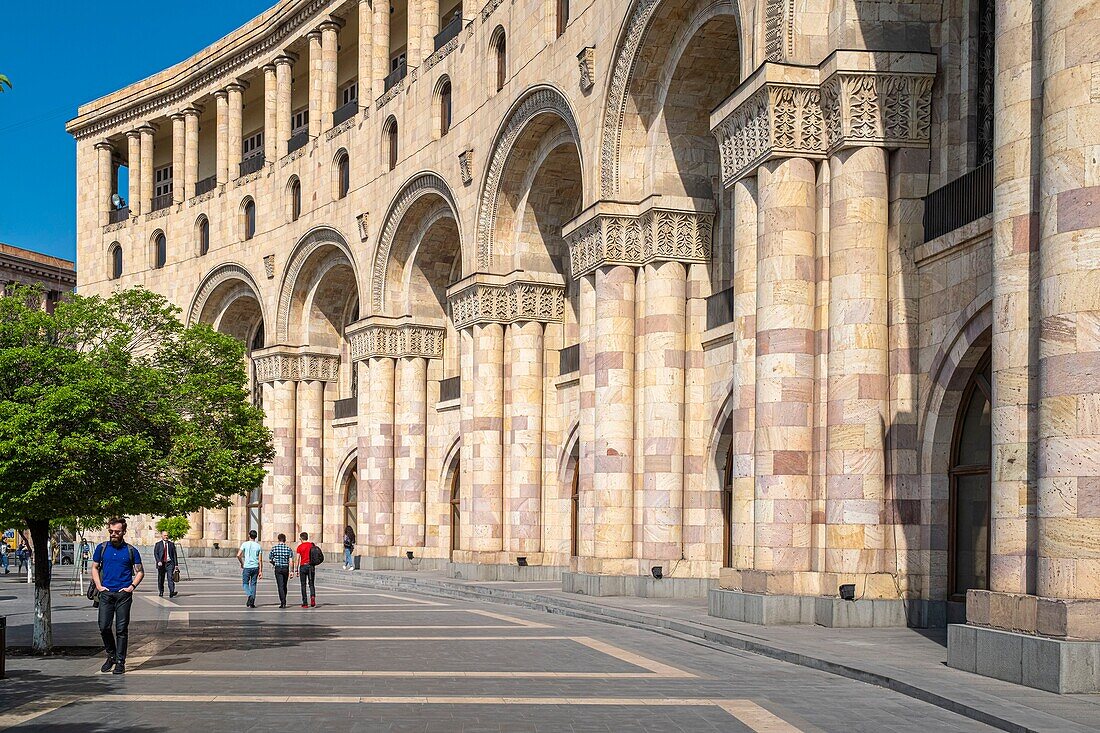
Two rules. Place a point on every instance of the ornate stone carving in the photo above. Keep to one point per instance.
(228, 272)
(587, 62)
(888, 109)
(466, 166)
(269, 266)
(539, 101)
(441, 54)
(294, 365)
(489, 8)
(495, 299)
(638, 239)
(363, 220)
(778, 29)
(377, 338)
(391, 93)
(314, 239)
(345, 125)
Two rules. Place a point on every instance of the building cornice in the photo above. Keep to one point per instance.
(395, 338)
(296, 364)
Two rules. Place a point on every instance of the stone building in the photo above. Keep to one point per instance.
(20, 266)
(775, 297)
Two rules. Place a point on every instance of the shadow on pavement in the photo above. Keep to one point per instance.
(230, 636)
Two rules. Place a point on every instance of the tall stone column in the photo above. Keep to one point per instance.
(586, 429)
(614, 418)
(410, 452)
(133, 163)
(365, 52)
(105, 163)
(380, 49)
(221, 101)
(179, 157)
(215, 525)
(858, 381)
(485, 438)
(744, 372)
(429, 26)
(284, 68)
(784, 365)
(195, 532)
(191, 150)
(662, 389)
(271, 112)
(234, 141)
(316, 85)
(1069, 310)
(413, 53)
(376, 435)
(147, 131)
(280, 406)
(524, 435)
(310, 457)
(329, 37)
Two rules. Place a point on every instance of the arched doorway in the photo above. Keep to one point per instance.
(727, 510)
(971, 449)
(456, 517)
(351, 500)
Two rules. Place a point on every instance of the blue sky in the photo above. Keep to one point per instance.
(61, 55)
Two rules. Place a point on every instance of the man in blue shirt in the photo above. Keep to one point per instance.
(116, 572)
(249, 558)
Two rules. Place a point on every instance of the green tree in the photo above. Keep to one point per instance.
(110, 406)
(176, 527)
(4, 82)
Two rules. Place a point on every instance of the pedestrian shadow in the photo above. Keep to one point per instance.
(216, 637)
(84, 727)
(22, 686)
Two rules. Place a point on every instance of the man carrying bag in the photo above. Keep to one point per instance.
(165, 554)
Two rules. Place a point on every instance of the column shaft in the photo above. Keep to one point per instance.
(376, 451)
(429, 26)
(410, 452)
(365, 52)
(586, 488)
(486, 439)
(235, 142)
(179, 158)
(310, 457)
(858, 378)
(614, 416)
(329, 39)
(284, 67)
(662, 388)
(413, 53)
(133, 164)
(316, 72)
(784, 364)
(523, 432)
(221, 100)
(146, 167)
(271, 112)
(743, 411)
(281, 411)
(191, 151)
(105, 164)
(380, 49)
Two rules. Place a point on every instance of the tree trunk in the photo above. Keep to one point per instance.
(42, 640)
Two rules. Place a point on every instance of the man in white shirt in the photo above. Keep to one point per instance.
(251, 570)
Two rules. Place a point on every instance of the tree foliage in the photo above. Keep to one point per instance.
(110, 406)
(4, 82)
(176, 527)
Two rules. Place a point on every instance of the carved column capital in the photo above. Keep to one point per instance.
(395, 337)
(295, 363)
(657, 229)
(519, 296)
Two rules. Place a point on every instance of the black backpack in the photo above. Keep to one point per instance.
(316, 557)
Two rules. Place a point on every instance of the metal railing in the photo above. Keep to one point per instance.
(345, 408)
(450, 389)
(206, 185)
(569, 359)
(297, 141)
(117, 215)
(345, 113)
(968, 197)
(161, 202)
(395, 76)
(451, 30)
(720, 308)
(253, 164)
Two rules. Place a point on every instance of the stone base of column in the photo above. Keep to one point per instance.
(870, 586)
(641, 586)
(1057, 618)
(489, 571)
(1054, 665)
(398, 562)
(866, 613)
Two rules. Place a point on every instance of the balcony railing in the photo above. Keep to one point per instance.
(449, 31)
(161, 202)
(345, 113)
(395, 76)
(345, 408)
(569, 359)
(960, 202)
(253, 164)
(206, 185)
(297, 141)
(450, 389)
(117, 215)
(720, 308)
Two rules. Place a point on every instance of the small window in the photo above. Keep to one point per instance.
(500, 49)
(248, 219)
(563, 16)
(444, 107)
(350, 93)
(343, 175)
(391, 142)
(253, 145)
(397, 61)
(204, 236)
(162, 181)
(294, 191)
(160, 250)
(116, 261)
(299, 121)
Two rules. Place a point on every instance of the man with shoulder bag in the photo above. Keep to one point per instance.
(307, 556)
(116, 574)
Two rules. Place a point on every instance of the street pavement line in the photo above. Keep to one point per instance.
(156, 600)
(396, 673)
(393, 606)
(756, 717)
(664, 670)
(510, 619)
(31, 710)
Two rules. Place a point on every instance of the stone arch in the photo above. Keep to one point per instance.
(424, 190)
(222, 300)
(650, 46)
(536, 102)
(321, 283)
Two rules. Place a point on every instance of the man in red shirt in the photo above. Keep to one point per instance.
(304, 570)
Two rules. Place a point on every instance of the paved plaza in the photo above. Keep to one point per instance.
(373, 660)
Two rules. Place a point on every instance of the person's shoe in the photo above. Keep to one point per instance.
(173, 594)
(305, 605)
(161, 595)
(107, 665)
(313, 602)
(282, 605)
(120, 668)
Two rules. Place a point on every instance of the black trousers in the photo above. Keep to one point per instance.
(114, 609)
(282, 577)
(164, 569)
(305, 573)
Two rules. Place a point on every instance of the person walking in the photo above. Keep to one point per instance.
(165, 554)
(304, 570)
(349, 545)
(279, 557)
(116, 572)
(249, 558)
(23, 555)
(85, 555)
(4, 556)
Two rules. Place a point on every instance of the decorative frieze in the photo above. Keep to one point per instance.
(890, 110)
(384, 337)
(269, 266)
(280, 363)
(637, 235)
(466, 166)
(494, 299)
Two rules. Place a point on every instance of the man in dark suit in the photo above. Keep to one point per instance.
(165, 554)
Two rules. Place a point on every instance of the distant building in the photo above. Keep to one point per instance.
(24, 267)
